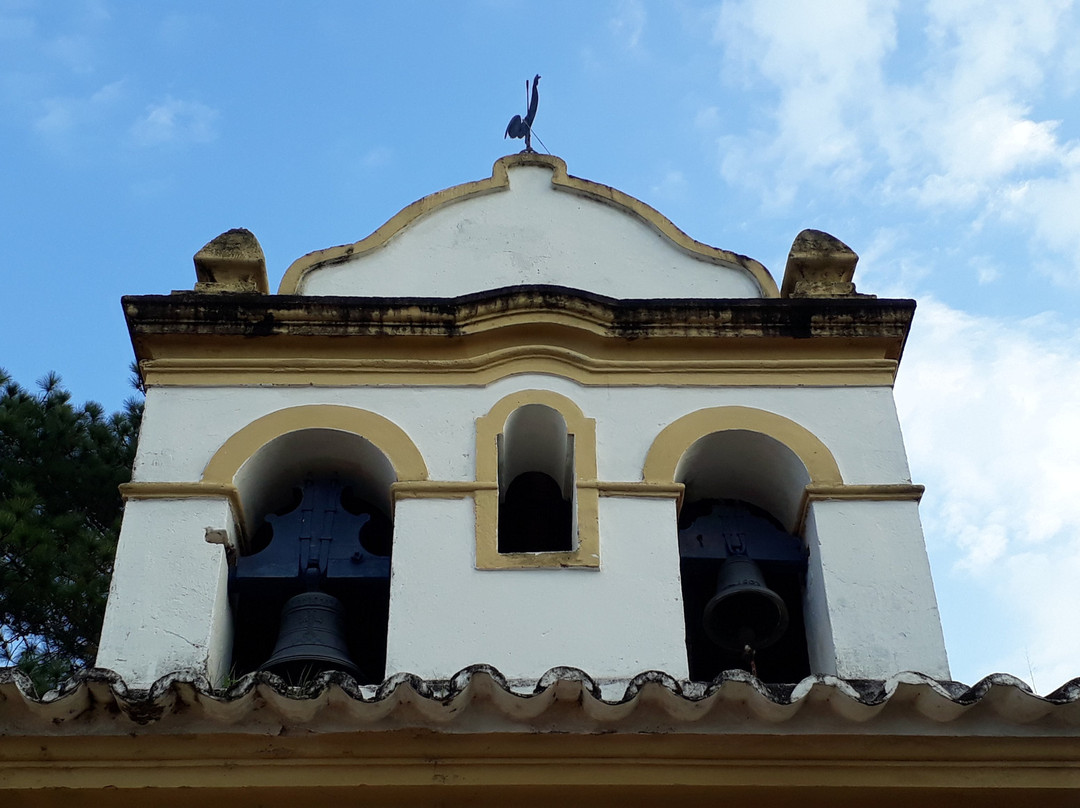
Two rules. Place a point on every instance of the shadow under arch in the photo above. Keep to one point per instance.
(339, 463)
(384, 434)
(579, 485)
(369, 438)
(743, 562)
(758, 445)
(565, 406)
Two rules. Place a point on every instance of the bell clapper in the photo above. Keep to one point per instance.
(749, 656)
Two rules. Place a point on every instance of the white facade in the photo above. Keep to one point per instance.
(168, 606)
(533, 231)
(870, 606)
(858, 424)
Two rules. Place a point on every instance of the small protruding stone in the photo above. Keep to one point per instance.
(819, 265)
(233, 262)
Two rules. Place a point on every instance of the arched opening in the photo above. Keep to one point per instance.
(317, 512)
(536, 450)
(743, 571)
(536, 482)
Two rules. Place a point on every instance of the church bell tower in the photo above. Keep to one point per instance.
(527, 423)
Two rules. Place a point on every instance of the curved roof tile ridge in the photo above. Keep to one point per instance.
(1068, 692)
(650, 701)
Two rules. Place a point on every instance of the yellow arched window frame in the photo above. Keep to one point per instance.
(586, 551)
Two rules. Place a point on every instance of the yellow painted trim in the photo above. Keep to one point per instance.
(488, 428)
(176, 490)
(384, 434)
(293, 281)
(637, 489)
(886, 492)
(439, 489)
(185, 490)
(496, 365)
(463, 489)
(671, 444)
(416, 767)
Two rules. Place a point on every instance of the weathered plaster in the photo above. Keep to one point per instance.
(858, 425)
(530, 232)
(870, 578)
(388, 359)
(614, 622)
(232, 262)
(445, 614)
(168, 602)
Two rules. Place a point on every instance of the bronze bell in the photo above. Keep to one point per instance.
(744, 611)
(311, 639)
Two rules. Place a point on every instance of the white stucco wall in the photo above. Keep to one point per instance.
(168, 601)
(612, 623)
(870, 575)
(870, 605)
(857, 424)
(530, 233)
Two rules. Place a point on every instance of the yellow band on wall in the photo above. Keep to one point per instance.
(186, 490)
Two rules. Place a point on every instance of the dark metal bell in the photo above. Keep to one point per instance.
(311, 639)
(744, 611)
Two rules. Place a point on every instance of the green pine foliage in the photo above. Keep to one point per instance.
(60, 511)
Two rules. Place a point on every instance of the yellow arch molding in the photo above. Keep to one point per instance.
(386, 436)
(488, 428)
(671, 444)
(499, 181)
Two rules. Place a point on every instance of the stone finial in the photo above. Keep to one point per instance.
(233, 262)
(819, 265)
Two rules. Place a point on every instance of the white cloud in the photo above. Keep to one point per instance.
(707, 118)
(986, 272)
(953, 127)
(1043, 588)
(988, 45)
(837, 44)
(992, 425)
(981, 144)
(174, 121)
(672, 185)
(825, 61)
(63, 116)
(80, 125)
(628, 24)
(1046, 207)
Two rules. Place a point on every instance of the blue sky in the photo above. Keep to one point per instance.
(941, 140)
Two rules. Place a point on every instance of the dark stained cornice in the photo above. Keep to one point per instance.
(252, 315)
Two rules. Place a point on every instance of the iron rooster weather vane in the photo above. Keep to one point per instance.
(522, 127)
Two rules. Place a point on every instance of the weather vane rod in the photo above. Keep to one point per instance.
(522, 127)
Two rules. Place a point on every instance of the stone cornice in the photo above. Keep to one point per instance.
(251, 315)
(189, 338)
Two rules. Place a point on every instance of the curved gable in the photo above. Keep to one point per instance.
(529, 223)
